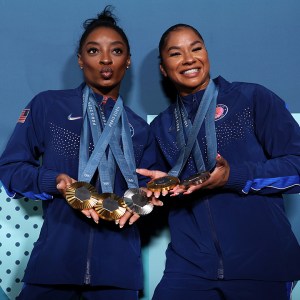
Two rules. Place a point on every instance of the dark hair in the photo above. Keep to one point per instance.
(163, 38)
(105, 19)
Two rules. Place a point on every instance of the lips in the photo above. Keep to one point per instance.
(190, 71)
(106, 72)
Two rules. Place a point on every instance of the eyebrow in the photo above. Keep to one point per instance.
(192, 44)
(113, 43)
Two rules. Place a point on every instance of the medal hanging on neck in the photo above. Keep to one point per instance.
(187, 141)
(107, 153)
(100, 158)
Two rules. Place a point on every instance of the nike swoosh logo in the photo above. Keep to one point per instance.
(70, 118)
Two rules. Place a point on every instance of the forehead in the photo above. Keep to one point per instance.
(181, 36)
(104, 34)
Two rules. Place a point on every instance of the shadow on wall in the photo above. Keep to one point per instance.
(72, 77)
(71, 74)
(154, 89)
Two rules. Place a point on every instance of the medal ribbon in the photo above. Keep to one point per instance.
(103, 140)
(184, 127)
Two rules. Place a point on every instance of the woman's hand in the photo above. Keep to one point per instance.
(153, 174)
(218, 178)
(63, 181)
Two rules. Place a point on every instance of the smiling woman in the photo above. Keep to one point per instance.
(184, 59)
(230, 238)
(84, 134)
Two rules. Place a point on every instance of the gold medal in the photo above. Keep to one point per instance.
(195, 179)
(110, 207)
(81, 195)
(165, 183)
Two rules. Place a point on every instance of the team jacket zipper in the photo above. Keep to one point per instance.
(87, 275)
(220, 271)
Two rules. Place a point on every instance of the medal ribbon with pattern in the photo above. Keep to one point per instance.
(105, 139)
(205, 113)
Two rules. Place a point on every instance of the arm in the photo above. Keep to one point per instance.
(20, 170)
(279, 136)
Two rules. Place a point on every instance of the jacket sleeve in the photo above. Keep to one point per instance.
(21, 170)
(279, 136)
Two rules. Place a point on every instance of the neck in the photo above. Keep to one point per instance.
(106, 92)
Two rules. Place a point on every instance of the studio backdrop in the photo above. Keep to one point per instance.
(247, 40)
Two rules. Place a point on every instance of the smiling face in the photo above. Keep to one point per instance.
(104, 58)
(184, 60)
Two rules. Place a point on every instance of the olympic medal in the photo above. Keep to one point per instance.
(195, 179)
(110, 207)
(165, 183)
(81, 195)
(137, 201)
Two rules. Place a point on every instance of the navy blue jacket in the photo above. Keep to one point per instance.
(239, 231)
(71, 248)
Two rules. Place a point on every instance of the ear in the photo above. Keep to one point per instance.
(162, 70)
(79, 60)
(128, 62)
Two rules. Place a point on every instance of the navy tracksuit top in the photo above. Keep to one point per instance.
(239, 231)
(71, 248)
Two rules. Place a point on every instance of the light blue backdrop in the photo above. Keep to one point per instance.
(248, 40)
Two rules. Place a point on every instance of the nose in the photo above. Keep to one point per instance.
(188, 58)
(105, 59)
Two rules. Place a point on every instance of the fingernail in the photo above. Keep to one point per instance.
(121, 226)
(117, 222)
(88, 217)
(96, 221)
(130, 223)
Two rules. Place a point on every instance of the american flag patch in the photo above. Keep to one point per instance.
(23, 115)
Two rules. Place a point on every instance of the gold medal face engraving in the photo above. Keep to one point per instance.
(137, 201)
(165, 183)
(81, 195)
(110, 207)
(195, 179)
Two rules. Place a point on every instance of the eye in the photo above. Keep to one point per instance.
(197, 49)
(92, 50)
(118, 51)
(174, 54)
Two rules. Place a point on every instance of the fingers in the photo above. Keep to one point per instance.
(156, 201)
(145, 172)
(63, 181)
(153, 174)
(91, 214)
(129, 215)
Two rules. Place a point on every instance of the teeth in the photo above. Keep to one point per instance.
(190, 71)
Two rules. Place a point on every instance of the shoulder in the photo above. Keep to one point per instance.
(246, 88)
(50, 96)
(164, 118)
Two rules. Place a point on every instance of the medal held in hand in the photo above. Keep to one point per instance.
(165, 183)
(195, 179)
(81, 195)
(137, 201)
(110, 207)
